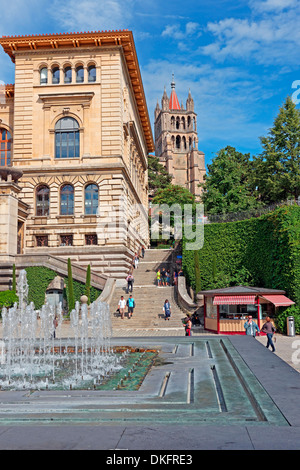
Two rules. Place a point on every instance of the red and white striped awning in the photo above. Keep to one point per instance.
(234, 300)
(278, 300)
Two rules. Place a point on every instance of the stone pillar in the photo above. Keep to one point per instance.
(9, 191)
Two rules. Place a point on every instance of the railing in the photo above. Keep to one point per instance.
(242, 215)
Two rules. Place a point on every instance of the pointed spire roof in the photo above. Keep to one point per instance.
(174, 102)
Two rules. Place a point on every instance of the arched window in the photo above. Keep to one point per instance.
(178, 142)
(67, 200)
(55, 75)
(92, 73)
(43, 76)
(42, 200)
(5, 147)
(79, 74)
(91, 199)
(177, 123)
(67, 138)
(68, 75)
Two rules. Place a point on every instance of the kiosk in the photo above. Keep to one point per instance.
(227, 309)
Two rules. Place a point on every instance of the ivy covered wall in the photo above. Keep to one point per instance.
(262, 252)
(39, 277)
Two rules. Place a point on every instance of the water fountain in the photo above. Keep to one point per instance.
(35, 358)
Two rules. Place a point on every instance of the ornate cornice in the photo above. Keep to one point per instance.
(99, 39)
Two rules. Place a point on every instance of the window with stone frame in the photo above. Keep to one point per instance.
(67, 138)
(91, 199)
(91, 239)
(66, 240)
(5, 147)
(67, 200)
(41, 240)
(42, 200)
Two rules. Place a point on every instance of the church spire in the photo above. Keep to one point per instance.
(174, 102)
(190, 102)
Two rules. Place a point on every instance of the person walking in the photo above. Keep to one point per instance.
(122, 305)
(143, 251)
(130, 305)
(269, 329)
(55, 325)
(251, 327)
(167, 309)
(158, 278)
(188, 326)
(130, 281)
(136, 261)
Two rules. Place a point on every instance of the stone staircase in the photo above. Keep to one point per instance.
(149, 298)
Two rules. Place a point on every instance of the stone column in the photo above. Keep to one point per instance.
(9, 191)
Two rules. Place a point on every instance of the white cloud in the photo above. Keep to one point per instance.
(268, 39)
(91, 15)
(174, 31)
(272, 5)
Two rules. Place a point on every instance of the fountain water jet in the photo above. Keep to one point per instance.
(35, 359)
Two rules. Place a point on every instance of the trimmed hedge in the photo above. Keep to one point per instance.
(262, 252)
(39, 277)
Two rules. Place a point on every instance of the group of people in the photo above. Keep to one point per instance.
(130, 304)
(251, 328)
(164, 277)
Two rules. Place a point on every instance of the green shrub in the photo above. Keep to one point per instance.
(281, 319)
(8, 298)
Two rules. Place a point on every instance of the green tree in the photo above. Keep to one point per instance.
(71, 298)
(174, 194)
(158, 177)
(14, 280)
(227, 186)
(277, 169)
(88, 284)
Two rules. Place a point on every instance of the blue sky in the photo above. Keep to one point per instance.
(240, 59)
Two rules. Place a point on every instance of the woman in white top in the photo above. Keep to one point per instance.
(122, 306)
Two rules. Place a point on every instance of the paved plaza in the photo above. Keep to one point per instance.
(207, 392)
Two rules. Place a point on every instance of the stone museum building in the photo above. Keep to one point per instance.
(176, 141)
(74, 138)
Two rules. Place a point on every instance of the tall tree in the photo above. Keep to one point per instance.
(88, 284)
(158, 177)
(71, 298)
(227, 183)
(277, 169)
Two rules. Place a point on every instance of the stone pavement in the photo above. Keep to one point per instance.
(287, 347)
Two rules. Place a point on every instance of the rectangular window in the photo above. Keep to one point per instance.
(66, 240)
(91, 239)
(42, 240)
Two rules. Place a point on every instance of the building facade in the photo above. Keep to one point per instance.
(75, 135)
(176, 141)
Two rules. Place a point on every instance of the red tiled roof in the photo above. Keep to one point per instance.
(174, 103)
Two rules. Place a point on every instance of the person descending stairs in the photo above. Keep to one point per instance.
(148, 297)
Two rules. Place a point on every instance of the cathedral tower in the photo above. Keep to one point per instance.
(176, 141)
